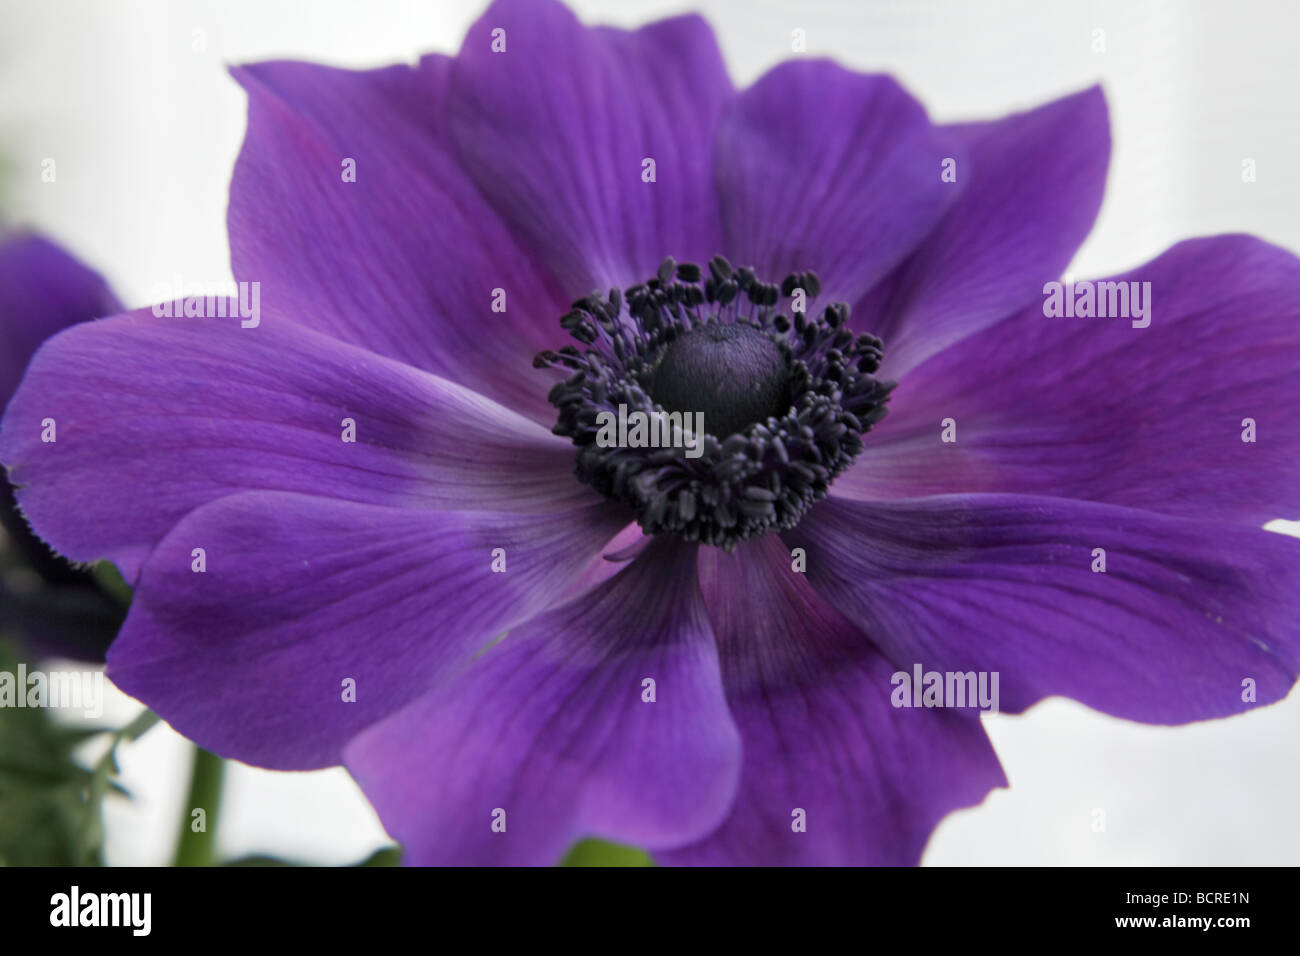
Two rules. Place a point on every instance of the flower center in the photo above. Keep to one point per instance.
(734, 374)
(712, 404)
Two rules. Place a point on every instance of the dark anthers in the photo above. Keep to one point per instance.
(786, 397)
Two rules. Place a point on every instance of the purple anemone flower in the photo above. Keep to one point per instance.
(54, 607)
(368, 523)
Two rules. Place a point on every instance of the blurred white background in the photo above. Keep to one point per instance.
(131, 99)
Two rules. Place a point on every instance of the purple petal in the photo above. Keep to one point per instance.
(1183, 614)
(43, 290)
(1094, 408)
(555, 130)
(156, 416)
(300, 594)
(825, 169)
(811, 696)
(1033, 183)
(550, 726)
(405, 259)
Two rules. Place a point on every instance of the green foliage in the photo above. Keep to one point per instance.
(51, 805)
(110, 579)
(387, 856)
(601, 853)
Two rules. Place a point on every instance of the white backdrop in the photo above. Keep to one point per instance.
(131, 99)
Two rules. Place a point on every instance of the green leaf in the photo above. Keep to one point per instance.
(259, 860)
(110, 579)
(388, 856)
(601, 853)
(44, 792)
(50, 804)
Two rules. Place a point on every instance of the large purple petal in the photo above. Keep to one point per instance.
(1033, 183)
(825, 169)
(555, 130)
(1095, 408)
(811, 696)
(404, 260)
(550, 726)
(156, 416)
(300, 594)
(1183, 614)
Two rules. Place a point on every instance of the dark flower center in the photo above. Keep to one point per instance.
(735, 374)
(712, 404)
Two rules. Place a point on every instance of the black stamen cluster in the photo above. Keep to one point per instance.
(755, 480)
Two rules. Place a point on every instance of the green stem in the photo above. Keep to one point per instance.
(196, 848)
